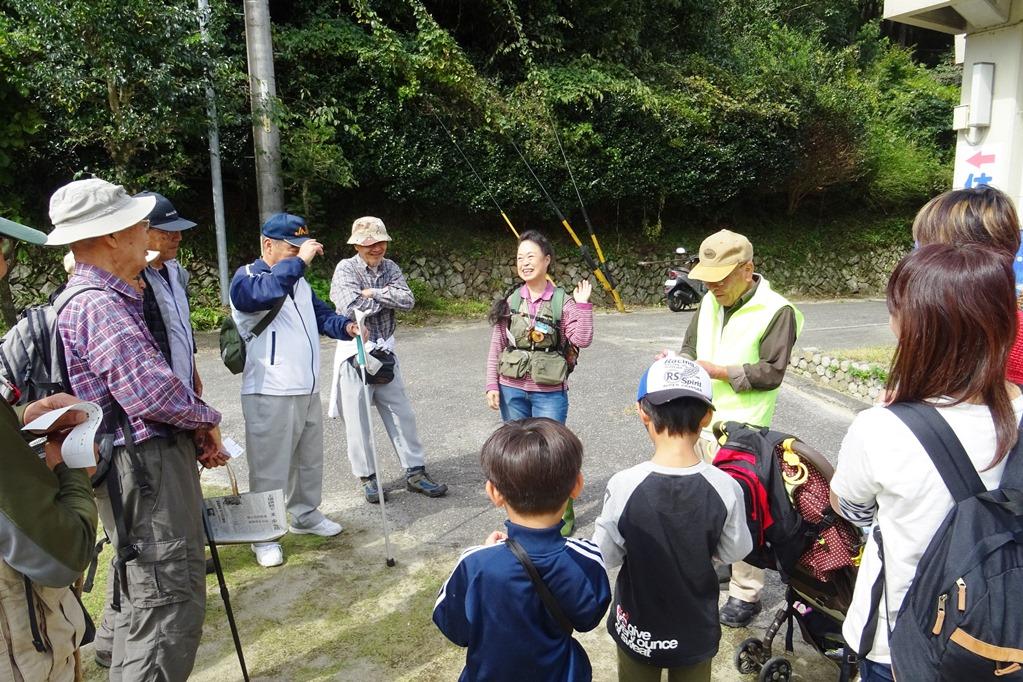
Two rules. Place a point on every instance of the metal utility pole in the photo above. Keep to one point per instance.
(218, 185)
(266, 136)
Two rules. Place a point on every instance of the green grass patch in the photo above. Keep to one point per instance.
(879, 358)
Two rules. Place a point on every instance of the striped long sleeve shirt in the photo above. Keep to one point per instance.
(576, 325)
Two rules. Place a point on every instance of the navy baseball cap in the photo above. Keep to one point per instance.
(286, 227)
(164, 216)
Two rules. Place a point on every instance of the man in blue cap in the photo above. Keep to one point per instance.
(165, 298)
(280, 383)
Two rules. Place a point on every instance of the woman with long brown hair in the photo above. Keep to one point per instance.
(980, 215)
(953, 311)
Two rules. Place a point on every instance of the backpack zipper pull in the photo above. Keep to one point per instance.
(961, 584)
(940, 620)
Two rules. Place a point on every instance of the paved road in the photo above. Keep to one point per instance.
(444, 369)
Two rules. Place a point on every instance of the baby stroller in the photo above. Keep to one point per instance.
(795, 532)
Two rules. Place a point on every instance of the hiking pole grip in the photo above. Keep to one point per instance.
(224, 594)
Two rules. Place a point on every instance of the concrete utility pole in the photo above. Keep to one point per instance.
(266, 136)
(218, 185)
(989, 45)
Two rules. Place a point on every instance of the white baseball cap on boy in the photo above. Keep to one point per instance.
(674, 377)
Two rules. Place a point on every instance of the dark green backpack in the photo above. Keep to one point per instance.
(232, 345)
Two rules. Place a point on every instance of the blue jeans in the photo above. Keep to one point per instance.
(875, 672)
(518, 404)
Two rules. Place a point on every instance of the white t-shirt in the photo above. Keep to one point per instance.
(882, 461)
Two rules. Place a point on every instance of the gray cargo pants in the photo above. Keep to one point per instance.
(284, 445)
(157, 632)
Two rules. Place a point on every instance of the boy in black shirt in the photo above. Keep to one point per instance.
(665, 521)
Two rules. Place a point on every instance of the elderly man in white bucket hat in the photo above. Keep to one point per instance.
(47, 531)
(370, 283)
(151, 505)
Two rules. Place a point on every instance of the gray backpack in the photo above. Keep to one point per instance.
(31, 353)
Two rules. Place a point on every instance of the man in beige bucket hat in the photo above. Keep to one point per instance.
(742, 333)
(160, 429)
(373, 284)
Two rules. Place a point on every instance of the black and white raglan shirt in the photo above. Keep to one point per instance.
(664, 525)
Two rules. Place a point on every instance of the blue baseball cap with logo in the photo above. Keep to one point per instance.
(287, 228)
(164, 216)
(674, 377)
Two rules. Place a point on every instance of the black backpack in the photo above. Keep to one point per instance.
(962, 618)
(32, 355)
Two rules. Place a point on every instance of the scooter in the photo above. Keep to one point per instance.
(681, 291)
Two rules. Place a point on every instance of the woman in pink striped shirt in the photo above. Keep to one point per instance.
(533, 328)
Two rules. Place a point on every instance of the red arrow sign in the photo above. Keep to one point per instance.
(979, 159)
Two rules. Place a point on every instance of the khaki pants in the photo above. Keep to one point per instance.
(157, 632)
(61, 623)
(632, 670)
(747, 581)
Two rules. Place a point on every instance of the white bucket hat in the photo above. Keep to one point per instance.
(92, 208)
(367, 231)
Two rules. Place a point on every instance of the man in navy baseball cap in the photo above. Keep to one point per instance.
(286, 227)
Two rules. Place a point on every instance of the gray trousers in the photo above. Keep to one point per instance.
(157, 632)
(284, 445)
(395, 411)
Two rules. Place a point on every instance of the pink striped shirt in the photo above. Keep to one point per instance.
(576, 325)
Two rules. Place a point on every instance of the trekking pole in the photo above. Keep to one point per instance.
(224, 594)
(370, 445)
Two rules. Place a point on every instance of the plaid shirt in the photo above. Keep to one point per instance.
(390, 292)
(112, 356)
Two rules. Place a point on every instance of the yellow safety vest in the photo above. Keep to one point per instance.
(738, 343)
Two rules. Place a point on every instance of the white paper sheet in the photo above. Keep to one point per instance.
(78, 450)
(232, 448)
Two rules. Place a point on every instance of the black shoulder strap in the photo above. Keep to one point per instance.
(943, 447)
(268, 318)
(541, 587)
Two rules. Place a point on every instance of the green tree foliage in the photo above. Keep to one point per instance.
(668, 109)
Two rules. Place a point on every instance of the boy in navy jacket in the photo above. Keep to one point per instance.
(665, 521)
(489, 603)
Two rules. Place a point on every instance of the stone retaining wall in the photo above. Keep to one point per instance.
(862, 380)
(862, 273)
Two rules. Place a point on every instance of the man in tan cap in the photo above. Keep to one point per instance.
(151, 503)
(370, 283)
(742, 333)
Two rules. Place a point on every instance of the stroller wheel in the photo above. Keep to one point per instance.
(749, 656)
(778, 669)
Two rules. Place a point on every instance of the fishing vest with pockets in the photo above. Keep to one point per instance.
(544, 361)
(961, 616)
(738, 343)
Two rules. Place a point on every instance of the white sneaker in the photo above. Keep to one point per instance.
(325, 528)
(268, 554)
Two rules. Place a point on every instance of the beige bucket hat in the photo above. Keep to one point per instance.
(719, 254)
(92, 208)
(367, 231)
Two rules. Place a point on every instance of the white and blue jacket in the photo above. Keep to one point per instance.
(285, 358)
(490, 605)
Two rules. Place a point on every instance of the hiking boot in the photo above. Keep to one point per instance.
(371, 490)
(104, 658)
(268, 554)
(418, 481)
(737, 613)
(325, 529)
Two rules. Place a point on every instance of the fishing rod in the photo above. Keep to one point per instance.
(584, 250)
(473, 169)
(586, 217)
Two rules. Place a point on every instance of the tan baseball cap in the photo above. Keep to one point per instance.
(719, 254)
(367, 231)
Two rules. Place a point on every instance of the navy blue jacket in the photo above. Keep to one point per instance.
(253, 294)
(490, 605)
